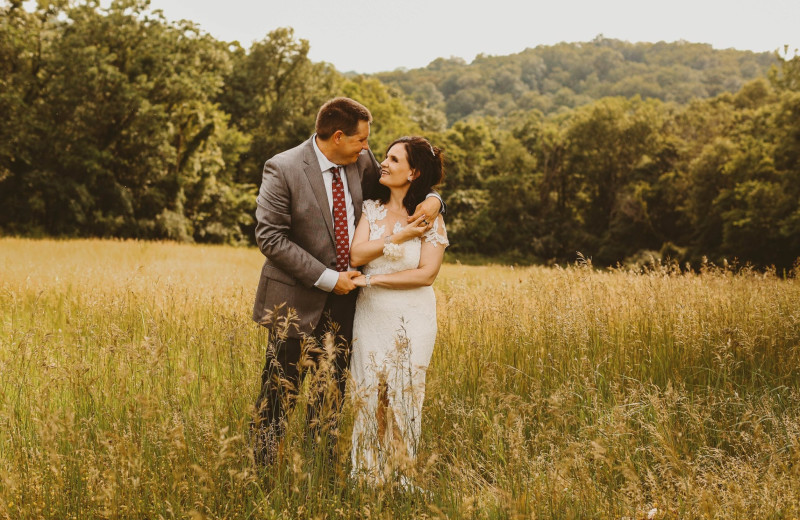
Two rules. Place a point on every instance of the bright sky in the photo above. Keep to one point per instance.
(379, 35)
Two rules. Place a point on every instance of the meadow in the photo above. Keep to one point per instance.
(129, 370)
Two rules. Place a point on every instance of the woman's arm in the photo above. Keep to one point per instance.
(430, 261)
(363, 250)
(360, 250)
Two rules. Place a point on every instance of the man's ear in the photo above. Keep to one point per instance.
(337, 136)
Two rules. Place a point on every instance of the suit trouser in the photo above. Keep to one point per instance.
(287, 363)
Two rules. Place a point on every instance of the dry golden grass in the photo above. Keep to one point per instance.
(128, 372)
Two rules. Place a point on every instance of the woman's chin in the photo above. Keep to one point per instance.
(386, 181)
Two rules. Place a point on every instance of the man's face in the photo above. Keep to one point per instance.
(349, 147)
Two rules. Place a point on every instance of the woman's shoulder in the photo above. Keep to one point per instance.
(373, 210)
(437, 234)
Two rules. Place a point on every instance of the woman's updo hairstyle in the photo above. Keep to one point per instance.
(425, 159)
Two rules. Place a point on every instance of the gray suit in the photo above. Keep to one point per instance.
(294, 230)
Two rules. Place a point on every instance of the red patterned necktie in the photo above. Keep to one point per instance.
(340, 222)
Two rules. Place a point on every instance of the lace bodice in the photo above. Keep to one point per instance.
(402, 256)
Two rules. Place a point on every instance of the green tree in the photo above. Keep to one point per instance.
(272, 93)
(390, 113)
(611, 145)
(119, 122)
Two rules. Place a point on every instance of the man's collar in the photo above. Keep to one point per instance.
(325, 164)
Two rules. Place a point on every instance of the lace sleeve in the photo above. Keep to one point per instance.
(434, 237)
(374, 211)
(371, 210)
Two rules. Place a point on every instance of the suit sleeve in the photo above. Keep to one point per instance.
(273, 225)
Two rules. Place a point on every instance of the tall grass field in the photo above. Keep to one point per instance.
(129, 372)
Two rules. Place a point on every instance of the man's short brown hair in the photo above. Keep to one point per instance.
(343, 114)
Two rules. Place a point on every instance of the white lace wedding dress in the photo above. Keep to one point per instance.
(393, 335)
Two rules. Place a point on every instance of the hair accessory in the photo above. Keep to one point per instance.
(432, 152)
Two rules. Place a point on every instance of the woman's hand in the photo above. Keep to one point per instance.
(430, 208)
(415, 229)
(360, 281)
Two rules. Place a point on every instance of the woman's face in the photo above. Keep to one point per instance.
(395, 170)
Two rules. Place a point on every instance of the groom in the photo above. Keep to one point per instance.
(307, 209)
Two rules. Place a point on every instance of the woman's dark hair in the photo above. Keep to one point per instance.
(341, 114)
(425, 159)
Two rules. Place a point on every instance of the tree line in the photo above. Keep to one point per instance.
(119, 123)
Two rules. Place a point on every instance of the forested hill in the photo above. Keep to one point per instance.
(548, 78)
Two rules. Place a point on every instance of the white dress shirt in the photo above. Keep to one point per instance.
(327, 280)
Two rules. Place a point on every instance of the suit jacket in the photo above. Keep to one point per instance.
(294, 230)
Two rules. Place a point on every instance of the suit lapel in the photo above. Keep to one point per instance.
(354, 187)
(311, 168)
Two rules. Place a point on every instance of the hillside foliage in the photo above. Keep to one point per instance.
(120, 123)
(551, 78)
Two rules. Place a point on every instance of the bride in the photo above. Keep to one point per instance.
(395, 321)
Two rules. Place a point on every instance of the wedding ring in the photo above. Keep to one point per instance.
(425, 222)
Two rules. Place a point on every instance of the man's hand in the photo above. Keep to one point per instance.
(428, 209)
(345, 283)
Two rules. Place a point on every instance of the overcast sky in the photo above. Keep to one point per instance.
(379, 35)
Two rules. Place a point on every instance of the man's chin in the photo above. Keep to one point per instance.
(352, 160)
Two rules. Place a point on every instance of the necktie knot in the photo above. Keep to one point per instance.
(335, 171)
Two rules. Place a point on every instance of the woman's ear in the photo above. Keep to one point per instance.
(413, 176)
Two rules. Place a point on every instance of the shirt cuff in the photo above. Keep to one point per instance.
(327, 280)
(434, 194)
